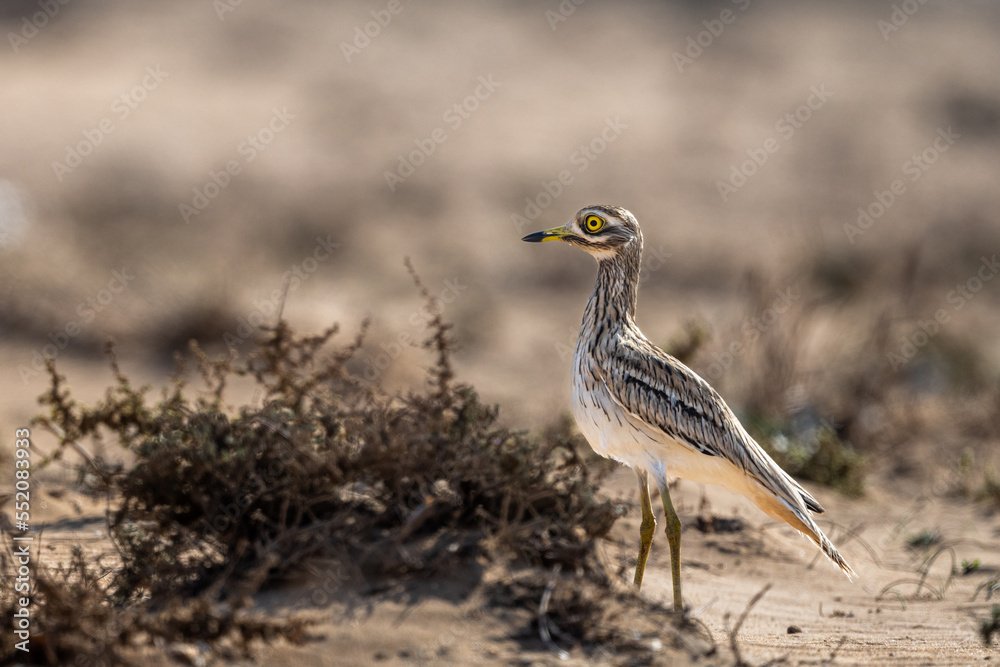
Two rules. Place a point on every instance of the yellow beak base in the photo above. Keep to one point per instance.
(554, 234)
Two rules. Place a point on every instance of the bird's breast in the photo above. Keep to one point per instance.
(590, 408)
(614, 433)
(600, 418)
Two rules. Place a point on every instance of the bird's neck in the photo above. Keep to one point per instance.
(617, 287)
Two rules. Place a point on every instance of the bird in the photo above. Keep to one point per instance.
(642, 407)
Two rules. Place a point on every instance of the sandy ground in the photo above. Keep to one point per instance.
(880, 619)
(841, 622)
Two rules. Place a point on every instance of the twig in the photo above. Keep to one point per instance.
(416, 518)
(852, 533)
(57, 431)
(286, 283)
(991, 587)
(735, 631)
(924, 571)
(543, 619)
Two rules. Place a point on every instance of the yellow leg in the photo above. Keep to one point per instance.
(646, 529)
(674, 538)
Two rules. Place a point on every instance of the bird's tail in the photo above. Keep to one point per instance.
(781, 497)
(798, 517)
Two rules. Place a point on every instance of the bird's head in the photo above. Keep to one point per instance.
(603, 231)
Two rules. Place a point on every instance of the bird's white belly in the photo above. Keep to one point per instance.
(613, 433)
(610, 431)
(598, 418)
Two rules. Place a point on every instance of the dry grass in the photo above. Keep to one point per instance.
(989, 626)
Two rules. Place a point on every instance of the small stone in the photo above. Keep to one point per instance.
(794, 629)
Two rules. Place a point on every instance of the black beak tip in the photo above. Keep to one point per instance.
(537, 237)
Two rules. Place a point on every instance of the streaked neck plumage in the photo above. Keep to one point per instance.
(613, 302)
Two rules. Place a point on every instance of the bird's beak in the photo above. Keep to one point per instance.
(554, 234)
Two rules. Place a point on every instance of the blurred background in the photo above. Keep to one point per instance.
(817, 186)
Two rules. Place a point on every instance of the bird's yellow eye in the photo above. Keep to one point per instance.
(594, 223)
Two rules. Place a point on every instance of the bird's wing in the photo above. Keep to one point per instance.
(662, 392)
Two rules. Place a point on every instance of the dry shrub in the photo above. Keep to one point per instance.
(220, 501)
(75, 619)
(70, 616)
(610, 624)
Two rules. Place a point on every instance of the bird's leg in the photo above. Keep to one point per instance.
(674, 538)
(646, 529)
